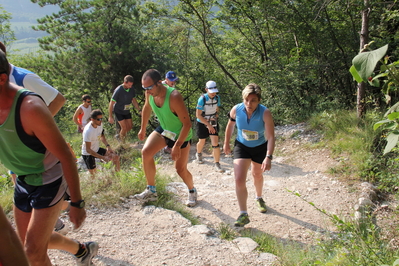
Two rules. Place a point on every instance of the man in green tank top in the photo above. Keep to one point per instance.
(175, 132)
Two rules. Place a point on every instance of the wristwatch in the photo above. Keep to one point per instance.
(269, 156)
(79, 204)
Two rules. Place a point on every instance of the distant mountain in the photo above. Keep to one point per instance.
(26, 11)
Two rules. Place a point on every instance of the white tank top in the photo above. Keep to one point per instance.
(86, 114)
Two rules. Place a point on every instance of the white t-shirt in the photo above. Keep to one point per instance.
(34, 83)
(92, 135)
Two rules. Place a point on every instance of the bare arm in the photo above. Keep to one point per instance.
(136, 104)
(145, 116)
(93, 153)
(110, 109)
(11, 251)
(269, 132)
(76, 115)
(57, 104)
(229, 131)
(178, 107)
(37, 121)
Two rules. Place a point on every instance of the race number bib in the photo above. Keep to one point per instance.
(127, 107)
(169, 134)
(250, 135)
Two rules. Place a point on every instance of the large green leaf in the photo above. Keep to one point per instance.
(355, 74)
(392, 140)
(365, 63)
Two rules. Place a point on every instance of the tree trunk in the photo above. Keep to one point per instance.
(364, 39)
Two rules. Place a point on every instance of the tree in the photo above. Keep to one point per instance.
(6, 33)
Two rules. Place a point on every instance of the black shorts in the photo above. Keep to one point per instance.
(256, 154)
(203, 132)
(90, 160)
(121, 117)
(27, 197)
(170, 143)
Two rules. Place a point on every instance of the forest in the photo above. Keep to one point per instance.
(299, 52)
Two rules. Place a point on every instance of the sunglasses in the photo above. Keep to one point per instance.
(99, 119)
(88, 101)
(149, 87)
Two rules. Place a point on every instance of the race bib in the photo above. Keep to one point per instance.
(169, 134)
(127, 107)
(250, 135)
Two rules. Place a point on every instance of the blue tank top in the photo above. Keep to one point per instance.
(250, 132)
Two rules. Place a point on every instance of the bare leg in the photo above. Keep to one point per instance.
(181, 167)
(257, 174)
(155, 142)
(241, 167)
(215, 151)
(200, 145)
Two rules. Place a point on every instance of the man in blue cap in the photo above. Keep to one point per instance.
(170, 79)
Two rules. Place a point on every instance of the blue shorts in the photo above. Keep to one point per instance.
(27, 197)
(170, 143)
(256, 154)
(90, 160)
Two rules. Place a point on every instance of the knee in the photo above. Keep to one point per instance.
(216, 147)
(181, 170)
(146, 153)
(36, 254)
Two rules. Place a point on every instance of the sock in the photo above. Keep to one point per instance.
(192, 190)
(243, 212)
(81, 251)
(258, 197)
(153, 189)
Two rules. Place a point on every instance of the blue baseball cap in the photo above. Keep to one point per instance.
(171, 75)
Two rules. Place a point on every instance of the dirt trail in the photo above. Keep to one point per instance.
(131, 235)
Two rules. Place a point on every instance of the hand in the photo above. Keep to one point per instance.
(176, 153)
(141, 134)
(226, 148)
(111, 120)
(211, 129)
(77, 217)
(266, 164)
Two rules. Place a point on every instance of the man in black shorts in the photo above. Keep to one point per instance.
(121, 103)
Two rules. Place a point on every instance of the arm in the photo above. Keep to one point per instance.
(145, 116)
(104, 140)
(110, 110)
(229, 131)
(93, 153)
(136, 104)
(269, 132)
(178, 107)
(76, 115)
(198, 114)
(11, 251)
(57, 104)
(37, 121)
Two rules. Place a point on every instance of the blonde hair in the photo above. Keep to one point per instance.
(252, 88)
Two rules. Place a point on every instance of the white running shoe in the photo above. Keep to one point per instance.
(146, 195)
(192, 199)
(85, 260)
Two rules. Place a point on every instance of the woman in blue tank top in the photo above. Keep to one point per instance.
(254, 146)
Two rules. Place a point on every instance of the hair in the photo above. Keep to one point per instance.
(4, 65)
(3, 48)
(252, 88)
(153, 74)
(128, 78)
(86, 97)
(95, 113)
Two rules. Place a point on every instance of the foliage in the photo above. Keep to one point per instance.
(6, 33)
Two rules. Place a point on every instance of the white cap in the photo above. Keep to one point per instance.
(211, 86)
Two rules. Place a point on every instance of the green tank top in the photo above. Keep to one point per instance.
(25, 155)
(169, 121)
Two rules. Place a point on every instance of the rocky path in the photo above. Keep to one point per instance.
(132, 235)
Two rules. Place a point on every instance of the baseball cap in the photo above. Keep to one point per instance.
(211, 86)
(171, 75)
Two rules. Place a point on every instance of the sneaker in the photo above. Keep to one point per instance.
(118, 138)
(167, 150)
(146, 195)
(219, 168)
(60, 227)
(261, 205)
(242, 220)
(199, 158)
(85, 260)
(192, 199)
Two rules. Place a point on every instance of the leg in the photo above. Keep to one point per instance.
(215, 151)
(241, 167)
(116, 162)
(200, 145)
(36, 229)
(257, 174)
(181, 167)
(123, 131)
(155, 142)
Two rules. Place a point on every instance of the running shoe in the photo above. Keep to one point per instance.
(85, 260)
(60, 227)
(219, 168)
(199, 158)
(192, 199)
(242, 220)
(261, 205)
(146, 195)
